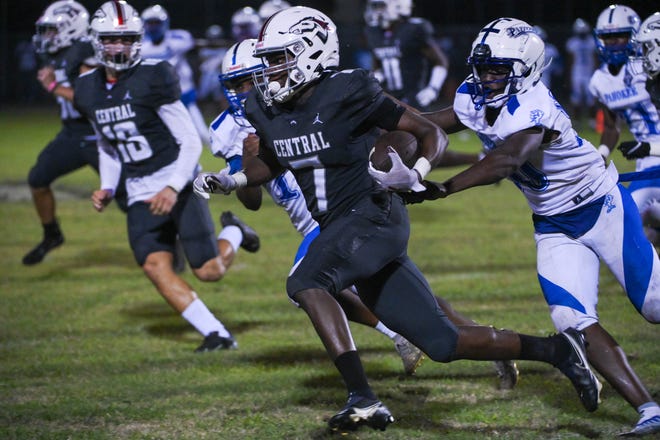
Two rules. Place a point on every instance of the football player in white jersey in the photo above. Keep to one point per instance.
(580, 48)
(580, 215)
(163, 43)
(144, 129)
(619, 85)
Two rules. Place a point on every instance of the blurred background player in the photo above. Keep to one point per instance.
(269, 7)
(173, 45)
(143, 126)
(211, 49)
(61, 42)
(553, 59)
(406, 59)
(619, 85)
(245, 23)
(581, 63)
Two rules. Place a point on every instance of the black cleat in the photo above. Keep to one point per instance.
(358, 411)
(39, 252)
(250, 238)
(213, 341)
(576, 368)
(507, 372)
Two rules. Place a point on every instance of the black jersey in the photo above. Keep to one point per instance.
(66, 64)
(126, 114)
(653, 87)
(325, 141)
(399, 52)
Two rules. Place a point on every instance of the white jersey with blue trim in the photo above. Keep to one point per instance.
(560, 175)
(227, 133)
(173, 48)
(626, 95)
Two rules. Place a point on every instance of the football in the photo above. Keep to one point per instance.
(403, 142)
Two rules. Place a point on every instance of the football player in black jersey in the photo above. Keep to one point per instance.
(406, 59)
(144, 128)
(61, 42)
(320, 124)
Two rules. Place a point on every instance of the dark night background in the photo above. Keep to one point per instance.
(456, 23)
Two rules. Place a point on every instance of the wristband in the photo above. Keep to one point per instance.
(423, 167)
(52, 86)
(110, 191)
(240, 178)
(654, 148)
(604, 150)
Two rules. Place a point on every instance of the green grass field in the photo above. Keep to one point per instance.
(89, 350)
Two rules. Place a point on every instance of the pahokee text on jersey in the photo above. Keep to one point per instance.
(325, 141)
(124, 113)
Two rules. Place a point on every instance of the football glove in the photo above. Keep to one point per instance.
(426, 96)
(214, 183)
(399, 177)
(433, 191)
(634, 149)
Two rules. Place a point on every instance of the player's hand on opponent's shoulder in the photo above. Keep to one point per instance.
(433, 191)
(214, 183)
(634, 149)
(101, 198)
(399, 177)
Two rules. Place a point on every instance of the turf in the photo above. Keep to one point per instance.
(89, 350)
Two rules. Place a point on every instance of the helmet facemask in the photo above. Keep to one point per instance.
(119, 51)
(117, 31)
(617, 22)
(281, 65)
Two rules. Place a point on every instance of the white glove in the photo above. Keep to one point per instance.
(214, 183)
(399, 177)
(426, 96)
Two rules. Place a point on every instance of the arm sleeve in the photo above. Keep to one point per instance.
(178, 120)
(109, 163)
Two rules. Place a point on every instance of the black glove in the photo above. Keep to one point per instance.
(433, 191)
(634, 149)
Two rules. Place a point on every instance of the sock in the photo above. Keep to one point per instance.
(233, 235)
(550, 349)
(350, 368)
(52, 229)
(200, 317)
(384, 330)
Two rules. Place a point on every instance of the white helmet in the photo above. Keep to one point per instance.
(581, 27)
(383, 12)
(61, 23)
(156, 22)
(269, 7)
(616, 19)
(238, 64)
(245, 23)
(307, 40)
(117, 18)
(648, 38)
(508, 43)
